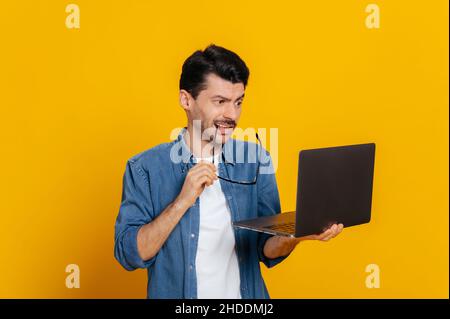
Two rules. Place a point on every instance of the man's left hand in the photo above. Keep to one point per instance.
(277, 246)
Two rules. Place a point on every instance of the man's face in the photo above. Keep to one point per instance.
(218, 107)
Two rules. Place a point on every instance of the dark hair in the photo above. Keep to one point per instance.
(214, 59)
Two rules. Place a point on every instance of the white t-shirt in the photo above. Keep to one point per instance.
(216, 261)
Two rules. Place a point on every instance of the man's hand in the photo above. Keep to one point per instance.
(201, 175)
(331, 232)
(152, 236)
(277, 246)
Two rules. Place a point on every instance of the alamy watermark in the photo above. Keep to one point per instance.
(373, 18)
(373, 278)
(73, 17)
(242, 153)
(73, 278)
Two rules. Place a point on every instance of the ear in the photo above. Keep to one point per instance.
(186, 100)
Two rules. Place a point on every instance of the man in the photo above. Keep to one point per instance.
(179, 199)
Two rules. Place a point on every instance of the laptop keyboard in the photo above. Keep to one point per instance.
(284, 228)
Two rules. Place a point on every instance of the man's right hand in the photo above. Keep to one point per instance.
(203, 174)
(153, 235)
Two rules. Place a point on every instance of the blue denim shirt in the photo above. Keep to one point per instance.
(154, 178)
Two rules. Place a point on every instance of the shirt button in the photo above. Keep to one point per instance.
(190, 267)
(192, 235)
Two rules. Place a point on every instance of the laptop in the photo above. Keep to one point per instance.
(334, 186)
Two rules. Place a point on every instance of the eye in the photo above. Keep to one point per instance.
(219, 102)
(239, 103)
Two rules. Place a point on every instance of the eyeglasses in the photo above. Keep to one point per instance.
(252, 182)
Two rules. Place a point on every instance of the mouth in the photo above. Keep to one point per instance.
(225, 127)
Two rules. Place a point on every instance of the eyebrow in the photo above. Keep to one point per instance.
(225, 98)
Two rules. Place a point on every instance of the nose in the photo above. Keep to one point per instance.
(230, 111)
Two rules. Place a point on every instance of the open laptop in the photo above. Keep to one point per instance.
(334, 186)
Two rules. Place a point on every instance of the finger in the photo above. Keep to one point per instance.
(340, 227)
(209, 182)
(207, 169)
(324, 234)
(338, 231)
(204, 171)
(206, 164)
(205, 181)
(329, 233)
(198, 168)
(330, 228)
(327, 238)
(335, 230)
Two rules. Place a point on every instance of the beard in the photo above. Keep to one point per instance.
(216, 132)
(222, 130)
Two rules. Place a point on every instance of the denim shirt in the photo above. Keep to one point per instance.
(154, 178)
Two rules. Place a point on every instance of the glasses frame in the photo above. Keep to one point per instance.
(252, 182)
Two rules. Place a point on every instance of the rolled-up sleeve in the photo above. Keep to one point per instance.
(268, 204)
(136, 210)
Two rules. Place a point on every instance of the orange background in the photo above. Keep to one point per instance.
(77, 103)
